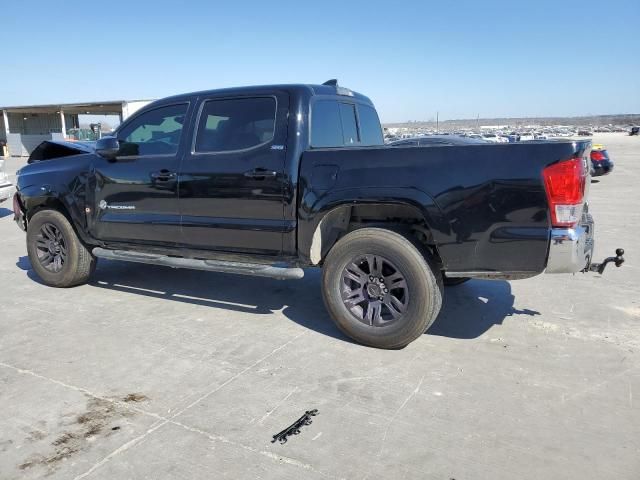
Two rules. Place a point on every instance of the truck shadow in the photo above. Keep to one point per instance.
(5, 212)
(468, 310)
(472, 308)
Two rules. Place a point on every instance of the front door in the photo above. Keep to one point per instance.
(232, 180)
(136, 194)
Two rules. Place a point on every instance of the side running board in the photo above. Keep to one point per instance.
(254, 269)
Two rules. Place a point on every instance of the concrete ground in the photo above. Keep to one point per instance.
(157, 373)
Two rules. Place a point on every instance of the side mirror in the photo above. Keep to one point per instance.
(108, 147)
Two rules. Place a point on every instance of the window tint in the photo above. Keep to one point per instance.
(326, 127)
(349, 126)
(155, 132)
(370, 130)
(235, 124)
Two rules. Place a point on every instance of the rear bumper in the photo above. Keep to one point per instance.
(6, 191)
(571, 249)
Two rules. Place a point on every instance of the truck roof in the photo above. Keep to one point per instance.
(297, 89)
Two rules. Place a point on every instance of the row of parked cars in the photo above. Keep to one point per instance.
(601, 163)
(491, 137)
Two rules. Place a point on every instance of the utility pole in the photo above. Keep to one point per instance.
(437, 121)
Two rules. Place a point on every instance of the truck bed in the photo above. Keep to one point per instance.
(485, 205)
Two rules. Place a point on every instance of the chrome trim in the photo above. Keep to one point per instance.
(492, 275)
(571, 249)
(241, 268)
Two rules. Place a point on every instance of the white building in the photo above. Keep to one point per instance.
(24, 127)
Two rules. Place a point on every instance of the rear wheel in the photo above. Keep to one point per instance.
(381, 288)
(55, 252)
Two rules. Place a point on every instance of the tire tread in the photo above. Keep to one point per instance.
(82, 262)
(404, 244)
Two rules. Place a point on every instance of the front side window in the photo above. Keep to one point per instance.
(156, 132)
(235, 124)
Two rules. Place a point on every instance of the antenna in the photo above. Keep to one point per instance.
(333, 82)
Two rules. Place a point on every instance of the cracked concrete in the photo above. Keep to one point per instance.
(158, 373)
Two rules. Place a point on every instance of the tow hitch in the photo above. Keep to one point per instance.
(599, 267)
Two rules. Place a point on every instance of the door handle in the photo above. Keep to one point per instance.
(163, 176)
(259, 173)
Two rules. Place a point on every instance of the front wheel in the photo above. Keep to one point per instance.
(381, 288)
(55, 251)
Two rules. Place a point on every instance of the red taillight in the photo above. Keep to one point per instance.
(597, 156)
(565, 183)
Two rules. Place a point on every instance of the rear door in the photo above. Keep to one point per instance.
(232, 179)
(136, 194)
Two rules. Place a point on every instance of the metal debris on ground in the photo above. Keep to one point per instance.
(294, 428)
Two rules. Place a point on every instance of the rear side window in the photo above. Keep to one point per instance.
(349, 125)
(370, 130)
(337, 124)
(326, 126)
(235, 124)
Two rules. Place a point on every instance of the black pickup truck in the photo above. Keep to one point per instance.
(268, 180)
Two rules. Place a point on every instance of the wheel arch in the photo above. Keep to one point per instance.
(73, 213)
(34, 206)
(405, 213)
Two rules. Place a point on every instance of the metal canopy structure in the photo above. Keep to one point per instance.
(25, 126)
(113, 107)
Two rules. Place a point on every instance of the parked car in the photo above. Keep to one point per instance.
(600, 162)
(476, 136)
(6, 187)
(267, 180)
(493, 138)
(526, 136)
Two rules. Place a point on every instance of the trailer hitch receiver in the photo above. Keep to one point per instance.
(599, 267)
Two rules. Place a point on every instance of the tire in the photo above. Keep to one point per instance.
(453, 281)
(76, 263)
(402, 319)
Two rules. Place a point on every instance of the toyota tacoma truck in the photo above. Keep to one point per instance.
(268, 180)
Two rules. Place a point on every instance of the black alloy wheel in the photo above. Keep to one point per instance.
(51, 248)
(55, 251)
(374, 290)
(381, 287)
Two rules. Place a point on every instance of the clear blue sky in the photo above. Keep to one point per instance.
(413, 58)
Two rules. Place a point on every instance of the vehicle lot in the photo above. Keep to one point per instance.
(156, 373)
